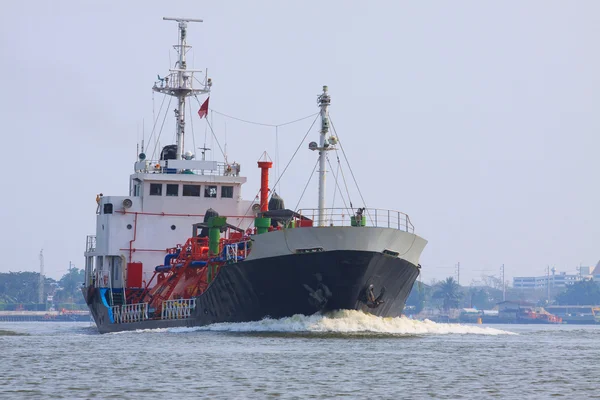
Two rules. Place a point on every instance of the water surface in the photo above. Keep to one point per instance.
(348, 355)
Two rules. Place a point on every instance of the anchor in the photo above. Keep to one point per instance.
(369, 298)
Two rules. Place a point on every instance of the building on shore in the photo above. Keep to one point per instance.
(595, 273)
(552, 280)
(557, 280)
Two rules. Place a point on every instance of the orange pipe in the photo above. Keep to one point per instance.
(264, 184)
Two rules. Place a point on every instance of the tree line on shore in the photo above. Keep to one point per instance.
(20, 290)
(448, 294)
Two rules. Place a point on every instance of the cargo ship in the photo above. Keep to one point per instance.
(184, 249)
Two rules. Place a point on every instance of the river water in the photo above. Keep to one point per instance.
(346, 354)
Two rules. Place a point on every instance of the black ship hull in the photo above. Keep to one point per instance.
(283, 286)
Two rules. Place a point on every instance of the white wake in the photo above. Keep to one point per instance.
(347, 321)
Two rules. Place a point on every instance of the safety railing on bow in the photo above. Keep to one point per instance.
(177, 309)
(130, 313)
(370, 217)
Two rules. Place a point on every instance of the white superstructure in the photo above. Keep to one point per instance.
(166, 196)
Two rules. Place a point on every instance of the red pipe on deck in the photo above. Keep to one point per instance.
(131, 250)
(264, 184)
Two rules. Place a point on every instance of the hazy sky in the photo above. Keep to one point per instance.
(478, 119)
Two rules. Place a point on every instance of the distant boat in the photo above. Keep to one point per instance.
(577, 314)
(525, 313)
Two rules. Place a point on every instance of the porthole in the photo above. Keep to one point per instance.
(129, 226)
(173, 227)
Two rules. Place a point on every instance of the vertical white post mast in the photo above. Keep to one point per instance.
(182, 66)
(180, 82)
(503, 284)
(41, 280)
(324, 101)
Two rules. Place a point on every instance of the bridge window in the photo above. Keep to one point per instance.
(227, 192)
(191, 190)
(156, 189)
(108, 208)
(210, 191)
(172, 189)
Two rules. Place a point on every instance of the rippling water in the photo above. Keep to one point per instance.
(347, 354)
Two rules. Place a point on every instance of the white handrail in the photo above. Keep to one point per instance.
(232, 252)
(130, 313)
(373, 217)
(159, 167)
(116, 310)
(178, 309)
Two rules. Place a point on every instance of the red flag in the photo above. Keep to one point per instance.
(203, 111)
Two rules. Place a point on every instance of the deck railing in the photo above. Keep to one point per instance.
(116, 312)
(371, 217)
(174, 82)
(178, 309)
(159, 167)
(130, 313)
(134, 312)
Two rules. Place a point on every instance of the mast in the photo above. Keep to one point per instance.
(41, 281)
(503, 284)
(324, 100)
(180, 82)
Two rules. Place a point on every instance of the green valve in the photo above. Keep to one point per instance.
(262, 224)
(361, 222)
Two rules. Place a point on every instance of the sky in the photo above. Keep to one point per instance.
(478, 119)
